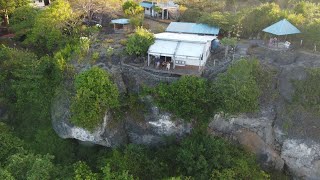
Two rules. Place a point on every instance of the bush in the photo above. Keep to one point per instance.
(187, 98)
(307, 92)
(202, 156)
(131, 8)
(139, 42)
(95, 93)
(123, 42)
(237, 90)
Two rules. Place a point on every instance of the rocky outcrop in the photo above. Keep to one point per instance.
(102, 135)
(150, 130)
(302, 158)
(156, 126)
(255, 134)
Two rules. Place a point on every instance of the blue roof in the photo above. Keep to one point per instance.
(146, 4)
(120, 21)
(282, 27)
(192, 28)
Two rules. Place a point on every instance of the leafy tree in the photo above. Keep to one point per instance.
(109, 175)
(60, 24)
(30, 166)
(133, 160)
(9, 143)
(8, 6)
(132, 8)
(28, 86)
(91, 7)
(187, 98)
(23, 20)
(200, 155)
(312, 33)
(83, 172)
(4, 174)
(139, 42)
(237, 90)
(266, 14)
(95, 94)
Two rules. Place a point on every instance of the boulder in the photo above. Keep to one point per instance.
(301, 158)
(107, 134)
(255, 134)
(155, 126)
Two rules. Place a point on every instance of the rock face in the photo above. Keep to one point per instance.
(151, 130)
(302, 158)
(155, 126)
(255, 134)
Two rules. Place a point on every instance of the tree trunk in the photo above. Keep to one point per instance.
(46, 2)
(226, 51)
(5, 18)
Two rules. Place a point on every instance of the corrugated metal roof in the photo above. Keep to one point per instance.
(192, 28)
(146, 4)
(184, 37)
(120, 21)
(175, 48)
(282, 27)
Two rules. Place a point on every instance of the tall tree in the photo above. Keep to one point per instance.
(7, 7)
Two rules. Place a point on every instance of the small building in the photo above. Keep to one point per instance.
(189, 51)
(120, 25)
(168, 9)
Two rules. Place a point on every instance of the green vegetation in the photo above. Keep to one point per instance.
(51, 46)
(95, 93)
(139, 42)
(307, 92)
(235, 91)
(187, 98)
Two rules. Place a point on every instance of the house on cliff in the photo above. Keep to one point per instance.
(183, 45)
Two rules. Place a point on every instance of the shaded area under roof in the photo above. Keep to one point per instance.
(120, 21)
(192, 28)
(282, 27)
(146, 4)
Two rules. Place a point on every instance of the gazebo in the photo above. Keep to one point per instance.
(281, 28)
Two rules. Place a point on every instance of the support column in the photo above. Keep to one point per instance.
(148, 59)
(162, 13)
(167, 13)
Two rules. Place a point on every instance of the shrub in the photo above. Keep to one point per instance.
(187, 98)
(109, 41)
(95, 56)
(95, 93)
(237, 90)
(139, 42)
(131, 8)
(307, 92)
(123, 42)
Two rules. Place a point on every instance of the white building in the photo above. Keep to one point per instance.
(184, 45)
(182, 50)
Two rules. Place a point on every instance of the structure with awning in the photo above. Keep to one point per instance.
(281, 28)
(182, 50)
